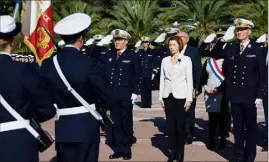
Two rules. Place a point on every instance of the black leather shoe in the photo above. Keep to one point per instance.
(265, 149)
(189, 141)
(127, 156)
(239, 160)
(222, 144)
(211, 146)
(116, 155)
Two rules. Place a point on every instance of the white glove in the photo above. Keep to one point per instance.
(93, 106)
(89, 42)
(160, 38)
(138, 43)
(229, 35)
(258, 101)
(210, 38)
(261, 39)
(106, 40)
(152, 76)
(61, 43)
(133, 98)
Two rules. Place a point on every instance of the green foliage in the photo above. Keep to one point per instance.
(145, 17)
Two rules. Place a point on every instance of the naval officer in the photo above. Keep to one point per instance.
(123, 75)
(147, 58)
(77, 131)
(245, 81)
(26, 93)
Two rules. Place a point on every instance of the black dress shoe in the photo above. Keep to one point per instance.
(116, 155)
(127, 156)
(265, 149)
(211, 146)
(239, 160)
(189, 141)
(222, 144)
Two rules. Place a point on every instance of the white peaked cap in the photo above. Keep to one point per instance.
(73, 24)
(118, 33)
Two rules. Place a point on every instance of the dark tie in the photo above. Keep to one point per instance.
(118, 53)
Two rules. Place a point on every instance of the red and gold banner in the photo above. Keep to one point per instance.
(35, 16)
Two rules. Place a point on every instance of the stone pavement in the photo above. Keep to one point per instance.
(151, 145)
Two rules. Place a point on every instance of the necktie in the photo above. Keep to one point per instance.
(241, 47)
(118, 53)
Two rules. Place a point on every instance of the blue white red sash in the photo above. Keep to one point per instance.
(215, 68)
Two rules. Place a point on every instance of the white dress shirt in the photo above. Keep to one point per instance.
(176, 79)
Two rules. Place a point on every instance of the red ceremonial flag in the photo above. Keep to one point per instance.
(34, 15)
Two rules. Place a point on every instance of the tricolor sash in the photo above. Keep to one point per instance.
(215, 68)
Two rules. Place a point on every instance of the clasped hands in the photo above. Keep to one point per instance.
(186, 105)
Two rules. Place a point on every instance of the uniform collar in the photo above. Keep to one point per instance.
(71, 45)
(121, 51)
(245, 44)
(5, 53)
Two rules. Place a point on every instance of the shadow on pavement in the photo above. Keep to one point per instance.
(201, 134)
(160, 142)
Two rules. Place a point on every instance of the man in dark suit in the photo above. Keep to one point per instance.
(123, 72)
(245, 83)
(24, 90)
(195, 57)
(77, 131)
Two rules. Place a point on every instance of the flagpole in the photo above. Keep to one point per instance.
(17, 7)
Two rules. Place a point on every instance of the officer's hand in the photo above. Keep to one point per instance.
(133, 98)
(152, 76)
(187, 105)
(229, 35)
(214, 92)
(210, 38)
(194, 94)
(209, 91)
(93, 106)
(162, 103)
(197, 93)
(258, 102)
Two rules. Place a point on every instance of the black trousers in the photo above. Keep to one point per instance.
(244, 116)
(120, 135)
(217, 121)
(190, 120)
(176, 123)
(78, 152)
(146, 95)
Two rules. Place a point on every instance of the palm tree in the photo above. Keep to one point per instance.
(7, 7)
(138, 17)
(204, 15)
(258, 10)
(62, 10)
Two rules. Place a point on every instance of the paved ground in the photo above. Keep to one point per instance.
(151, 145)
